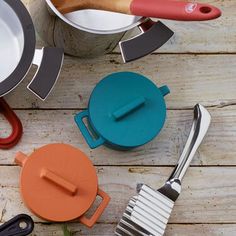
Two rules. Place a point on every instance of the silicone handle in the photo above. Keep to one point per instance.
(17, 129)
(153, 36)
(164, 90)
(128, 108)
(93, 143)
(49, 66)
(174, 10)
(13, 226)
(20, 159)
(59, 181)
(105, 201)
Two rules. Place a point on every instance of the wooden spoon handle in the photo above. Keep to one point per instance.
(165, 9)
(67, 6)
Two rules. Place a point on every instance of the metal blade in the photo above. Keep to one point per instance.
(152, 210)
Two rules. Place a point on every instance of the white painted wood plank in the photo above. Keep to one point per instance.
(209, 79)
(203, 230)
(108, 230)
(208, 195)
(43, 127)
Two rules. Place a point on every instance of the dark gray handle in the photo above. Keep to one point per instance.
(14, 228)
(153, 36)
(49, 62)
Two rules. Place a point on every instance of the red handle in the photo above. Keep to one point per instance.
(174, 10)
(17, 129)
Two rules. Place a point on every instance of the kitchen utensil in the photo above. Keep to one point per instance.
(125, 110)
(17, 46)
(20, 225)
(91, 33)
(17, 129)
(59, 183)
(149, 212)
(165, 9)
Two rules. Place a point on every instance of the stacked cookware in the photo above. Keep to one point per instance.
(126, 110)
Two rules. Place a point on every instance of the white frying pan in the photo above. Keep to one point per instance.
(17, 52)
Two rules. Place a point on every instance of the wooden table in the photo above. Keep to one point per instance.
(198, 65)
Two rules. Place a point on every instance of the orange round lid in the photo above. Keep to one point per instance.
(58, 182)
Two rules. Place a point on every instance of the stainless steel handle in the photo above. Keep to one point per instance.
(201, 123)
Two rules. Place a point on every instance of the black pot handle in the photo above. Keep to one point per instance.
(20, 225)
(49, 61)
(153, 36)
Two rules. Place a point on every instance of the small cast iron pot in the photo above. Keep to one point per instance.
(59, 183)
(126, 110)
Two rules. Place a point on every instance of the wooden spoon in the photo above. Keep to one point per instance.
(165, 9)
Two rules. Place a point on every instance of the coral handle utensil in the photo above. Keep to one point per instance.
(17, 129)
(165, 9)
(174, 10)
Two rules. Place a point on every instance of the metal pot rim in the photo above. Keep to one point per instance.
(19, 73)
(63, 18)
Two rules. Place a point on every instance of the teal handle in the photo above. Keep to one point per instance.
(128, 108)
(164, 90)
(91, 141)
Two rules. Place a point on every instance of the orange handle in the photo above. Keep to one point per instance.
(59, 181)
(20, 159)
(89, 222)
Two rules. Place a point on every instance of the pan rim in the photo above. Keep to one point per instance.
(21, 70)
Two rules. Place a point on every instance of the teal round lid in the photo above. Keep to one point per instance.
(127, 109)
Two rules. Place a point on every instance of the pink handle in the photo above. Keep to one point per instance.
(174, 10)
